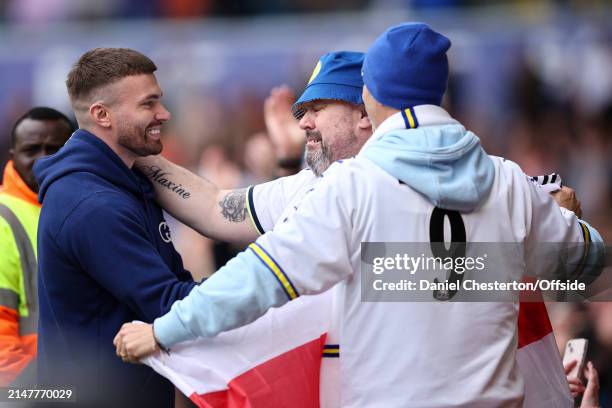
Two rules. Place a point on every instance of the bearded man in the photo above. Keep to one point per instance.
(105, 251)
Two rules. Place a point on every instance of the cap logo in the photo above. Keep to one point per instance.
(315, 72)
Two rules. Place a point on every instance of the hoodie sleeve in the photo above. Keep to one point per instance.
(108, 238)
(559, 244)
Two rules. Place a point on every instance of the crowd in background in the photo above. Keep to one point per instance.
(549, 108)
(37, 11)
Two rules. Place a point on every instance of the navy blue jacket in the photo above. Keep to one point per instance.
(105, 258)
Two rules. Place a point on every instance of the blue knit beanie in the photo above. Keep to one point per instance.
(407, 66)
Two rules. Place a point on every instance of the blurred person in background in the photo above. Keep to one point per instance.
(588, 389)
(105, 250)
(600, 342)
(260, 158)
(39, 132)
(285, 133)
(592, 321)
(567, 128)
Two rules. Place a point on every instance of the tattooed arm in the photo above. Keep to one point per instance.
(200, 204)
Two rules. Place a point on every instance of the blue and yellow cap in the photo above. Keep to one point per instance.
(337, 76)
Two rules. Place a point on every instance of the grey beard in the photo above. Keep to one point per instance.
(319, 160)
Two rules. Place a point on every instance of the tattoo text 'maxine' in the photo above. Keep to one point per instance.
(162, 178)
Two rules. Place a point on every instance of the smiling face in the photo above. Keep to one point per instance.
(335, 130)
(137, 114)
(34, 139)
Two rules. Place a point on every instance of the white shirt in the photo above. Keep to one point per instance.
(415, 354)
(275, 200)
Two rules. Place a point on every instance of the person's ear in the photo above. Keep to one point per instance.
(100, 115)
(11, 153)
(364, 120)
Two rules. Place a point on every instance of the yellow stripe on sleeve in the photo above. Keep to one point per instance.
(587, 241)
(278, 272)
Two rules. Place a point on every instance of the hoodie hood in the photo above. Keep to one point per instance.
(86, 153)
(426, 149)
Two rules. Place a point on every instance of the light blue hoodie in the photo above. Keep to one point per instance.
(444, 163)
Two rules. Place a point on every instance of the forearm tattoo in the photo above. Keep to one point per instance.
(163, 179)
(233, 206)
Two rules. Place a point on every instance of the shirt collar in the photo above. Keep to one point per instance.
(412, 118)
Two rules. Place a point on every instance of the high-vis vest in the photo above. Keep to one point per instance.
(19, 215)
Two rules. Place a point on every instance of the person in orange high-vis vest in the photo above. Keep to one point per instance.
(39, 132)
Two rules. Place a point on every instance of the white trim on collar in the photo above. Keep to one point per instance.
(417, 116)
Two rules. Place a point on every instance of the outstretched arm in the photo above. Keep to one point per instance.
(224, 214)
(199, 203)
(306, 255)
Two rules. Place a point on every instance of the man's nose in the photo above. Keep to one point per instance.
(307, 122)
(163, 114)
